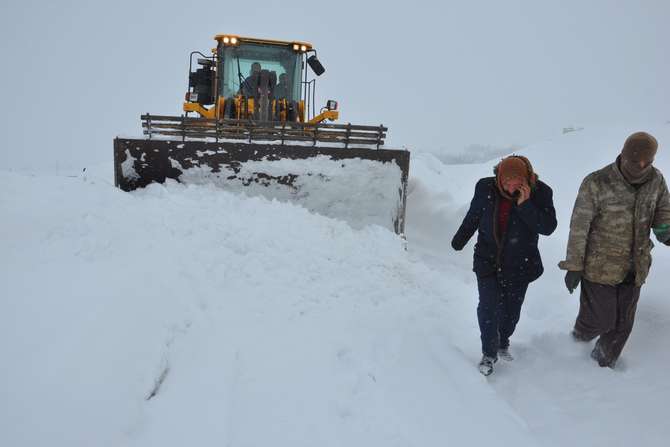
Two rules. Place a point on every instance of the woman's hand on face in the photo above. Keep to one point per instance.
(524, 194)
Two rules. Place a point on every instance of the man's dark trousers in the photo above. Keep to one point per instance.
(608, 312)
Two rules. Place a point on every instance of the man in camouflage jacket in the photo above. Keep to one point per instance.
(609, 248)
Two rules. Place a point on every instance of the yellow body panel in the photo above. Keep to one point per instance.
(330, 115)
(220, 107)
(204, 112)
(301, 111)
(240, 109)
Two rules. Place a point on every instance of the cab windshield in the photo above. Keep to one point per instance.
(236, 65)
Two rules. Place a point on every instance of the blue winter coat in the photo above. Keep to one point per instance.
(513, 254)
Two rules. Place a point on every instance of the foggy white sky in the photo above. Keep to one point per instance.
(441, 75)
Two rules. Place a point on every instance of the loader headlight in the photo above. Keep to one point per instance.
(228, 40)
(300, 47)
(331, 104)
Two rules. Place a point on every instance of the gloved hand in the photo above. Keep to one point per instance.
(572, 280)
(457, 244)
(662, 232)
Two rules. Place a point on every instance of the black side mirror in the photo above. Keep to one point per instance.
(315, 65)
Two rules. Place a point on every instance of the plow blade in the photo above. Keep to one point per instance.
(361, 186)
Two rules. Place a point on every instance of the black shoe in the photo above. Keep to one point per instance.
(486, 365)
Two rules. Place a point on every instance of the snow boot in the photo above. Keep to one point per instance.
(599, 356)
(486, 365)
(504, 354)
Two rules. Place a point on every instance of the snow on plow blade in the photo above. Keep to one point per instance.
(359, 185)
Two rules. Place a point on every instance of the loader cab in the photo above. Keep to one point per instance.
(258, 79)
(237, 67)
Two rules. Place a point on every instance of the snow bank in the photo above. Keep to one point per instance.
(361, 192)
(269, 324)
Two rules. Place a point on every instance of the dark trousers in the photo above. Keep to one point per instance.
(500, 301)
(608, 312)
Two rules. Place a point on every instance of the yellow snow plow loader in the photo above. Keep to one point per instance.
(250, 124)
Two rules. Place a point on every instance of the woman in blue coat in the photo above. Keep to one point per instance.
(509, 212)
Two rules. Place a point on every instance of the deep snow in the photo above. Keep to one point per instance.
(275, 326)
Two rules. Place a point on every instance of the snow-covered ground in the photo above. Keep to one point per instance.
(253, 322)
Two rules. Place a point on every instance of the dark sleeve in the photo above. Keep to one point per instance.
(471, 221)
(538, 212)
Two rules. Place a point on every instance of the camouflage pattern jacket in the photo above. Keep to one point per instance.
(611, 223)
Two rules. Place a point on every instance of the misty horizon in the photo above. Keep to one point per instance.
(442, 77)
